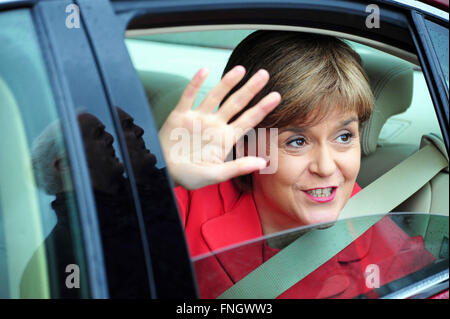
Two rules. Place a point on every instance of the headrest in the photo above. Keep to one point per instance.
(163, 91)
(391, 80)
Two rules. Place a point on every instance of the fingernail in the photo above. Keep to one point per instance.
(262, 72)
(239, 68)
(202, 72)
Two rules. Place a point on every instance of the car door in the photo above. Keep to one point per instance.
(83, 231)
(164, 242)
(41, 247)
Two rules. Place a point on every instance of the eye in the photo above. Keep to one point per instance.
(345, 138)
(297, 142)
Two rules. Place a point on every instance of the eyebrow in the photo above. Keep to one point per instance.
(350, 120)
(291, 129)
(302, 130)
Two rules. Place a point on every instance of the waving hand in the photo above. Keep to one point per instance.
(196, 142)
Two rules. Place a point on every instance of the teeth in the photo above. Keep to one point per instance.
(321, 192)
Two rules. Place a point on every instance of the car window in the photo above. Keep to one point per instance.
(204, 49)
(403, 114)
(395, 256)
(123, 240)
(41, 250)
(399, 87)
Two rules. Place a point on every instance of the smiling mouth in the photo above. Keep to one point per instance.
(321, 195)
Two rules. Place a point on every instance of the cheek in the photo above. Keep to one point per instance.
(350, 164)
(287, 172)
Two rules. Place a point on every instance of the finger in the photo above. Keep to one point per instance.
(217, 94)
(250, 118)
(236, 102)
(239, 167)
(189, 94)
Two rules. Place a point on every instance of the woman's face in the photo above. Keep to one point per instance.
(317, 170)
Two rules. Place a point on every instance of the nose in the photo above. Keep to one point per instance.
(109, 138)
(139, 131)
(323, 162)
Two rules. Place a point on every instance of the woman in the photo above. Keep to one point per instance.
(317, 97)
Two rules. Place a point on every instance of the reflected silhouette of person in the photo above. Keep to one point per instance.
(116, 212)
(119, 231)
(142, 160)
(105, 168)
(159, 212)
(52, 174)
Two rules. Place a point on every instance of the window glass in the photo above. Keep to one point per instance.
(439, 37)
(405, 253)
(41, 252)
(124, 246)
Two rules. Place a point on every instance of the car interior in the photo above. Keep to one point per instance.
(403, 121)
(403, 111)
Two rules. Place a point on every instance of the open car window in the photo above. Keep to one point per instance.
(403, 254)
(404, 113)
(404, 110)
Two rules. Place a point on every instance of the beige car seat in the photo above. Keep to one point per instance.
(391, 80)
(392, 83)
(164, 90)
(20, 218)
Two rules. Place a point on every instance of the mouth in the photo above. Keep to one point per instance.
(321, 195)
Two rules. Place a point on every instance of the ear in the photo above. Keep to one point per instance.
(60, 165)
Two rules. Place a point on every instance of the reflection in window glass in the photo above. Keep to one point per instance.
(439, 37)
(40, 239)
(116, 211)
(400, 248)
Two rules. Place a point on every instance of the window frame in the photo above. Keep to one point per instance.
(107, 37)
(43, 13)
(431, 69)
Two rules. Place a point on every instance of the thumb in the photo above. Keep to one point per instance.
(240, 166)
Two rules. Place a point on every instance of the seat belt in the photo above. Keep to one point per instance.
(287, 267)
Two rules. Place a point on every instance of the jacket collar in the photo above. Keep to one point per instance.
(240, 223)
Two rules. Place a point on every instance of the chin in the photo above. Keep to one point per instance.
(320, 217)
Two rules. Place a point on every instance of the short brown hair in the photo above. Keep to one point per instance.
(313, 73)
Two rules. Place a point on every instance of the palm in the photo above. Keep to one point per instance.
(196, 142)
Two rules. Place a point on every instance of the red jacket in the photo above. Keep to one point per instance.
(219, 216)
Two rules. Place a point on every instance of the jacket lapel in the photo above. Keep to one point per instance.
(239, 224)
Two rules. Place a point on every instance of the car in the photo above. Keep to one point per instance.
(85, 86)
